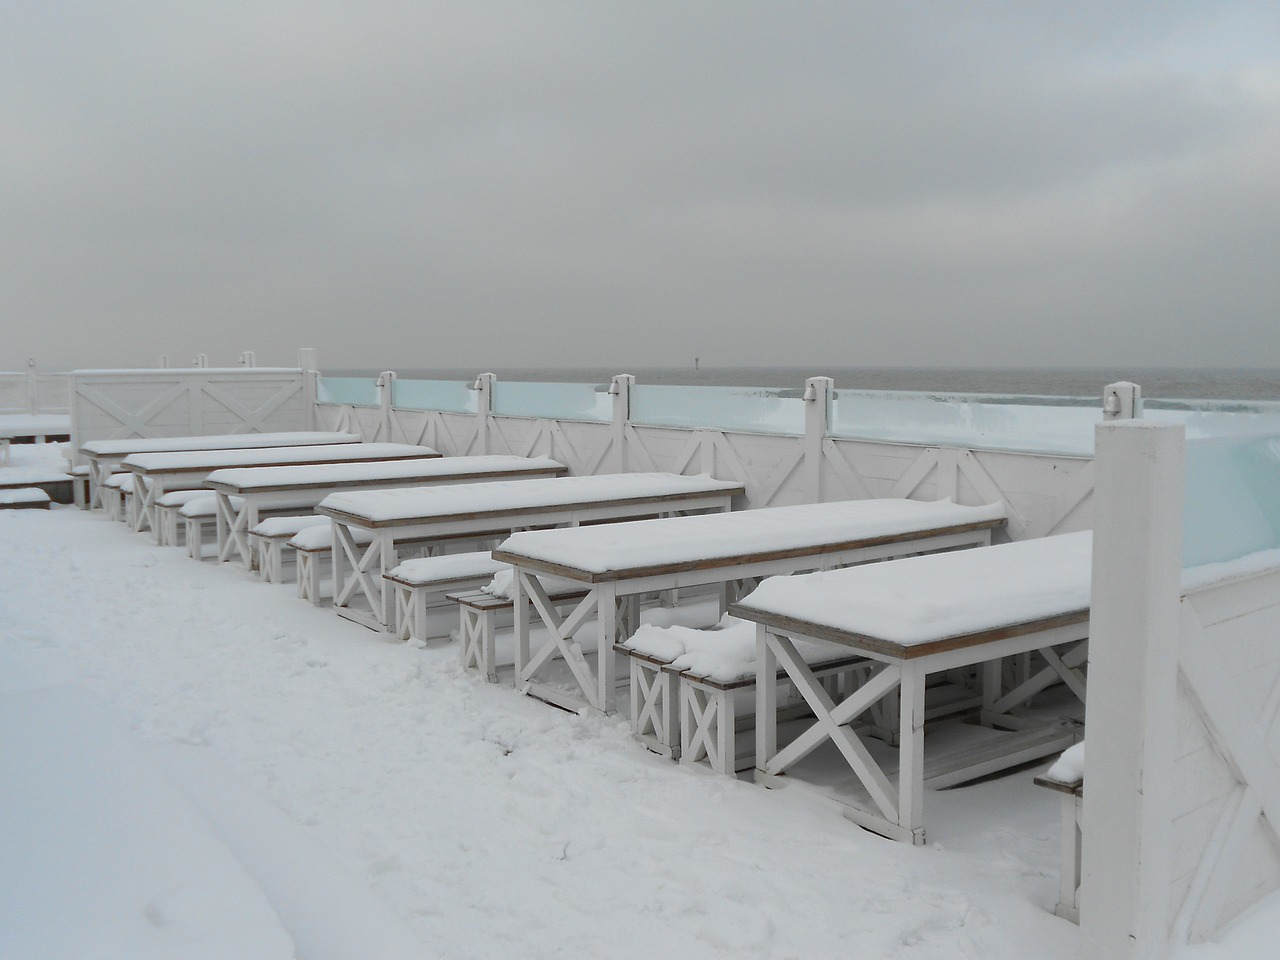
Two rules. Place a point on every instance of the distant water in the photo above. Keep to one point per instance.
(1165, 384)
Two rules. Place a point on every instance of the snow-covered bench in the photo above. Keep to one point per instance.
(424, 582)
(269, 540)
(24, 498)
(479, 612)
(689, 688)
(198, 515)
(171, 529)
(1066, 777)
(117, 496)
(80, 485)
(313, 548)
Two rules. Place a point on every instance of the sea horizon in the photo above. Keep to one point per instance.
(1166, 383)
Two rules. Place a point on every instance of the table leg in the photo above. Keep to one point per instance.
(911, 750)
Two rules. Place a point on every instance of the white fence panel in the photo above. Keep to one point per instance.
(1227, 854)
(31, 392)
(110, 404)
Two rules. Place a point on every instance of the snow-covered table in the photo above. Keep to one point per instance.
(303, 486)
(388, 517)
(919, 616)
(187, 469)
(34, 426)
(105, 456)
(625, 560)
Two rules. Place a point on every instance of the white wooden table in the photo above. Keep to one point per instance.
(104, 457)
(732, 549)
(389, 517)
(33, 426)
(188, 469)
(919, 616)
(303, 486)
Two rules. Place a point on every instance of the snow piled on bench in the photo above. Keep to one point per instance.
(724, 653)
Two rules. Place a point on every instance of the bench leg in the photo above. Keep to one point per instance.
(479, 641)
(707, 724)
(654, 707)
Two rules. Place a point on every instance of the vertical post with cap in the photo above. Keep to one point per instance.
(817, 396)
(620, 389)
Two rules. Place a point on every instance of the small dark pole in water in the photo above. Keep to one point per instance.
(695, 363)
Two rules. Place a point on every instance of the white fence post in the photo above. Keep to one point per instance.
(386, 391)
(620, 390)
(817, 421)
(247, 359)
(33, 387)
(201, 360)
(484, 408)
(307, 364)
(1133, 656)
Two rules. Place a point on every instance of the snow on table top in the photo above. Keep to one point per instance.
(213, 459)
(33, 424)
(934, 597)
(377, 470)
(676, 540)
(499, 496)
(222, 441)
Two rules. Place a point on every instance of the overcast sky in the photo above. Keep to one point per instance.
(484, 185)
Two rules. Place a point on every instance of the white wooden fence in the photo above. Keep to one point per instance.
(169, 402)
(1182, 777)
(34, 393)
(1043, 493)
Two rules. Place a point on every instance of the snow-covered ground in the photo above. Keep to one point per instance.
(197, 764)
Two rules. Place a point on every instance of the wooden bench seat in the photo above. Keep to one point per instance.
(198, 515)
(170, 529)
(688, 706)
(425, 582)
(479, 613)
(24, 498)
(270, 539)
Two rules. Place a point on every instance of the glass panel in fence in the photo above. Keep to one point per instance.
(737, 409)
(356, 391)
(1057, 425)
(1233, 499)
(1216, 418)
(448, 396)
(553, 401)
